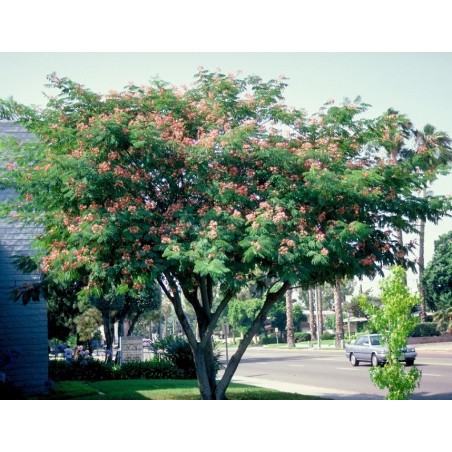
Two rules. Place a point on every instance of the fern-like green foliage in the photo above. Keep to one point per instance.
(394, 321)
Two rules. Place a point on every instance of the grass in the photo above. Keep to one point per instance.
(160, 390)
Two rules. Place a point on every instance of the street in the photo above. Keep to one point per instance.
(328, 373)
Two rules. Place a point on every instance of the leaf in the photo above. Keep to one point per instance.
(320, 259)
(215, 267)
(122, 289)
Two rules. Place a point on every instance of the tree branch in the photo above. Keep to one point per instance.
(270, 300)
(178, 309)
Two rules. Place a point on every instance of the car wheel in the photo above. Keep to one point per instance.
(353, 360)
(409, 362)
(374, 360)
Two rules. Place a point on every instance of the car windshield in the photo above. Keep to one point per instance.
(375, 340)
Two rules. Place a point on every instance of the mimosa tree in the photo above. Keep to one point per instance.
(209, 189)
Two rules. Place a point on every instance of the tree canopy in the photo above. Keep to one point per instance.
(210, 188)
(437, 278)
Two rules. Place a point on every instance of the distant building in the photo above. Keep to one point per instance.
(23, 329)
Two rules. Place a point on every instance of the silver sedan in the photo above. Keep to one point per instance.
(368, 348)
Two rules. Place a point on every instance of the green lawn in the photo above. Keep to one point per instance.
(159, 390)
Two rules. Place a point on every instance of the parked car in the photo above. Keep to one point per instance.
(368, 348)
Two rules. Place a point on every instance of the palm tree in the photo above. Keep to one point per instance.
(338, 312)
(320, 311)
(312, 328)
(436, 145)
(401, 131)
(443, 319)
(289, 319)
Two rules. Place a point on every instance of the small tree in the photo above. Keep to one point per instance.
(241, 313)
(393, 320)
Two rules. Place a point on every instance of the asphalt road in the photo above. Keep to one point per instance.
(328, 373)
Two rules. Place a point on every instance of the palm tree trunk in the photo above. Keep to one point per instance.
(320, 309)
(421, 288)
(289, 321)
(338, 312)
(311, 314)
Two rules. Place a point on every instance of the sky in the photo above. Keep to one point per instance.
(417, 84)
(392, 54)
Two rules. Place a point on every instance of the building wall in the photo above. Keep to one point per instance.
(23, 329)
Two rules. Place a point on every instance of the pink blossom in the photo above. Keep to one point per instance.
(320, 236)
(96, 228)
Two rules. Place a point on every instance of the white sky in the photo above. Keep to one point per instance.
(306, 41)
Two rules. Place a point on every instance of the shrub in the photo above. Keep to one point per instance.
(270, 339)
(302, 337)
(89, 370)
(95, 370)
(177, 351)
(326, 336)
(426, 329)
(154, 369)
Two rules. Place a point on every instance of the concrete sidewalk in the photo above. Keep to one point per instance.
(445, 347)
(316, 391)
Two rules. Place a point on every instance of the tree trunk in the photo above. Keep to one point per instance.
(201, 299)
(421, 288)
(270, 300)
(338, 312)
(320, 310)
(289, 315)
(312, 321)
(132, 323)
(109, 334)
(121, 321)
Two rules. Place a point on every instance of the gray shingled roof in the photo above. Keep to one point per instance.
(13, 128)
(8, 128)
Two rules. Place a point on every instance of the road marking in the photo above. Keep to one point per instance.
(327, 359)
(297, 365)
(439, 364)
(344, 368)
(430, 375)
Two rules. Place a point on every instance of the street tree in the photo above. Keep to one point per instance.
(394, 322)
(210, 189)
